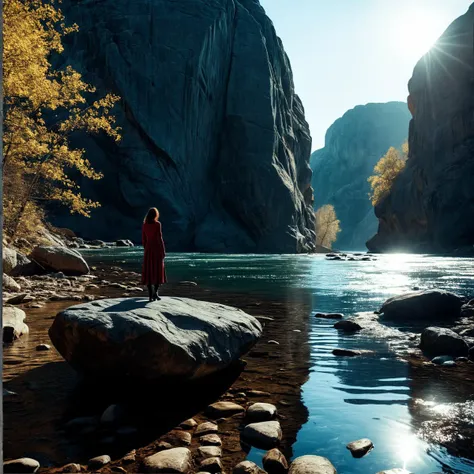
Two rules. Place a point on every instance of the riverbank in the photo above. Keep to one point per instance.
(47, 388)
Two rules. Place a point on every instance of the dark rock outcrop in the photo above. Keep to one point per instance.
(441, 341)
(431, 205)
(213, 132)
(353, 146)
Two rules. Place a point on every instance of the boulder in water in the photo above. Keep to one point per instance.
(60, 259)
(441, 341)
(311, 464)
(176, 338)
(13, 323)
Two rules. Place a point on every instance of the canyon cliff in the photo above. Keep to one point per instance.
(354, 144)
(431, 204)
(214, 134)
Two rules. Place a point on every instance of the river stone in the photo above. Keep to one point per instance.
(224, 409)
(440, 360)
(261, 412)
(9, 261)
(310, 464)
(20, 466)
(360, 447)
(9, 284)
(429, 304)
(175, 338)
(72, 467)
(247, 467)
(60, 259)
(175, 460)
(346, 352)
(206, 428)
(210, 440)
(184, 437)
(188, 424)
(212, 465)
(99, 461)
(13, 324)
(209, 452)
(441, 341)
(274, 462)
(347, 325)
(263, 435)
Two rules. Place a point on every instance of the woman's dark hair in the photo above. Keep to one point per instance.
(152, 216)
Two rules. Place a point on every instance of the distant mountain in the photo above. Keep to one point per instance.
(431, 206)
(354, 143)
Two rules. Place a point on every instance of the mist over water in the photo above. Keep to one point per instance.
(347, 398)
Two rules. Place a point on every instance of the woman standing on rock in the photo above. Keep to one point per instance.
(153, 272)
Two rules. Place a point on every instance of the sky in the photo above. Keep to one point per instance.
(350, 52)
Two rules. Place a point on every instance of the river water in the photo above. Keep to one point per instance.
(347, 398)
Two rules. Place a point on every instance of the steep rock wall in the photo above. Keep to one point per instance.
(213, 132)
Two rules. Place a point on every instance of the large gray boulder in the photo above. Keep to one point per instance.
(13, 323)
(423, 305)
(213, 130)
(60, 259)
(179, 338)
(354, 144)
(441, 341)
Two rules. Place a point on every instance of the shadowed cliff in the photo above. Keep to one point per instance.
(213, 132)
(354, 144)
(431, 205)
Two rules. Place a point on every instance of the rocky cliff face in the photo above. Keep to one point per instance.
(431, 206)
(213, 132)
(354, 144)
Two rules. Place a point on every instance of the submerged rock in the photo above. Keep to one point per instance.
(263, 435)
(429, 304)
(312, 465)
(175, 460)
(329, 315)
(178, 338)
(348, 326)
(21, 466)
(13, 324)
(441, 341)
(346, 352)
(360, 447)
(60, 259)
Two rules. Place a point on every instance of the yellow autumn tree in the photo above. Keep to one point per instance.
(43, 107)
(327, 226)
(386, 171)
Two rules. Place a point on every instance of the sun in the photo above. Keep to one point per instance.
(416, 30)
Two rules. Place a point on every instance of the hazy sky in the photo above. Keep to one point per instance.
(350, 52)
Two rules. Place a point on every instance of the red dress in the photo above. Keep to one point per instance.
(153, 271)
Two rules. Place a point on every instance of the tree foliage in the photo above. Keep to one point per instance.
(327, 226)
(386, 171)
(43, 107)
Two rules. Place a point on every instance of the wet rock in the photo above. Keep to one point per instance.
(346, 352)
(60, 259)
(210, 440)
(263, 435)
(440, 360)
(99, 461)
(43, 347)
(20, 466)
(274, 462)
(224, 409)
(429, 304)
(13, 324)
(461, 359)
(112, 415)
(188, 424)
(329, 315)
(212, 465)
(312, 465)
(9, 284)
(209, 452)
(247, 467)
(360, 447)
(261, 412)
(441, 341)
(206, 428)
(72, 467)
(347, 326)
(149, 341)
(175, 460)
(184, 437)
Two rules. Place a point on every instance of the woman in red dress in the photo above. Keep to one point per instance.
(153, 272)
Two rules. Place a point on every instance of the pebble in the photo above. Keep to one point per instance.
(206, 428)
(247, 467)
(261, 412)
(274, 462)
(24, 465)
(177, 460)
(184, 437)
(99, 461)
(224, 409)
(312, 464)
(360, 447)
(264, 435)
(43, 347)
(209, 452)
(187, 424)
(212, 465)
(440, 360)
(210, 440)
